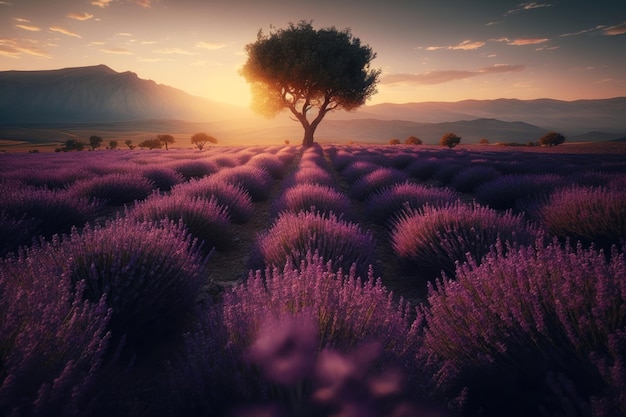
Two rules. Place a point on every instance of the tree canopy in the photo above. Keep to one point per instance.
(300, 68)
(450, 140)
(551, 139)
(201, 139)
(165, 139)
(95, 141)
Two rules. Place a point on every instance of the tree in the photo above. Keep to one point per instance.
(551, 139)
(151, 144)
(201, 139)
(394, 141)
(73, 145)
(413, 140)
(113, 144)
(165, 139)
(300, 68)
(94, 142)
(450, 140)
(484, 141)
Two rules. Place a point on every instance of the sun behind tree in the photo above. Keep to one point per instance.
(300, 68)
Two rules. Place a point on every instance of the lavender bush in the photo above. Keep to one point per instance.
(149, 274)
(293, 235)
(435, 238)
(537, 329)
(256, 181)
(468, 179)
(52, 343)
(194, 168)
(205, 219)
(163, 178)
(270, 163)
(385, 205)
(115, 189)
(313, 197)
(591, 214)
(358, 169)
(312, 174)
(505, 192)
(233, 197)
(423, 168)
(376, 180)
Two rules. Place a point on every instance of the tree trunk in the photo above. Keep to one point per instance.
(307, 141)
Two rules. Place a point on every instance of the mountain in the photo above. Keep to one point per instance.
(568, 117)
(96, 94)
(77, 101)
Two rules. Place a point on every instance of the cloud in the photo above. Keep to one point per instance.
(581, 32)
(154, 59)
(64, 31)
(173, 51)
(19, 19)
(29, 28)
(123, 34)
(527, 6)
(522, 41)
(210, 45)
(149, 42)
(466, 45)
(5, 3)
(15, 48)
(80, 16)
(615, 30)
(143, 3)
(116, 51)
(101, 3)
(440, 77)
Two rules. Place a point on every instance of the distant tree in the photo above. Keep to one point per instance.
(286, 141)
(551, 139)
(300, 68)
(112, 144)
(394, 141)
(94, 142)
(413, 140)
(201, 139)
(151, 144)
(484, 141)
(450, 140)
(165, 139)
(73, 145)
(129, 143)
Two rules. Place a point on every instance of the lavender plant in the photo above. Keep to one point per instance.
(312, 197)
(468, 179)
(270, 163)
(233, 197)
(293, 235)
(115, 189)
(256, 181)
(206, 220)
(505, 192)
(532, 329)
(312, 174)
(163, 178)
(52, 343)
(194, 168)
(387, 204)
(375, 181)
(149, 274)
(590, 214)
(435, 238)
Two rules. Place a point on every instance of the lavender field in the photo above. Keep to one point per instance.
(327, 281)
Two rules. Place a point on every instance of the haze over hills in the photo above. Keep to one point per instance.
(36, 104)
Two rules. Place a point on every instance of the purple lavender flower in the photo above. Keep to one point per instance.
(270, 163)
(256, 181)
(194, 168)
(375, 181)
(163, 178)
(436, 238)
(115, 189)
(468, 179)
(505, 191)
(294, 234)
(312, 197)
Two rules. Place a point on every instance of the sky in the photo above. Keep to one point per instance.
(436, 50)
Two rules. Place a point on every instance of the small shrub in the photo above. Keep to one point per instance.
(358, 169)
(292, 235)
(551, 139)
(52, 343)
(505, 192)
(385, 205)
(375, 181)
(313, 197)
(234, 198)
(205, 219)
(194, 168)
(256, 181)
(422, 168)
(394, 141)
(271, 163)
(591, 214)
(313, 174)
(163, 178)
(114, 189)
(436, 238)
(413, 140)
(532, 330)
(468, 179)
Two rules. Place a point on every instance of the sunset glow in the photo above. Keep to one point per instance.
(428, 51)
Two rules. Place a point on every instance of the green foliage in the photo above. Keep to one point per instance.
(394, 141)
(165, 139)
(201, 139)
(450, 140)
(300, 68)
(413, 140)
(95, 142)
(551, 139)
(150, 144)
